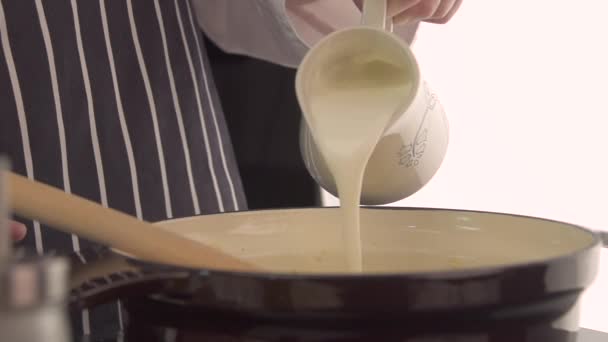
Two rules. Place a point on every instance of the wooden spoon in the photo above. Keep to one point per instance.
(76, 215)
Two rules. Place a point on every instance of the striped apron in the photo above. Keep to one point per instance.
(113, 101)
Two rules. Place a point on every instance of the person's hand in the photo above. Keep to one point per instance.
(411, 11)
(433, 11)
(18, 230)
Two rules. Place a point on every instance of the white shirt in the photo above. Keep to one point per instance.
(279, 31)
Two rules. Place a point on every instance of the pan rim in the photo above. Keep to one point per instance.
(462, 273)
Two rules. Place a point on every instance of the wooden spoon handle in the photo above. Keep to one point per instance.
(6, 242)
(75, 215)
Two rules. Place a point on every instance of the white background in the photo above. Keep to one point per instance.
(525, 87)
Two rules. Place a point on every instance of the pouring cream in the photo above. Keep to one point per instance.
(352, 103)
(362, 97)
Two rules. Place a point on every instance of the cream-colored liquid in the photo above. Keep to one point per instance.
(394, 241)
(351, 105)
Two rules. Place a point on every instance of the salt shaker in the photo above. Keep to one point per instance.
(33, 289)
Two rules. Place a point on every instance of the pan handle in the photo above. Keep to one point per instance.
(101, 276)
(603, 237)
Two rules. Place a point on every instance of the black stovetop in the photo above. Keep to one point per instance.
(585, 335)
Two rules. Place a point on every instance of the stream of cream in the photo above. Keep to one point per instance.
(351, 106)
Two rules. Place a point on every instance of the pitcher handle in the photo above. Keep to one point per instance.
(374, 15)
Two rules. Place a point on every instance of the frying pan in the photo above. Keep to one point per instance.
(423, 265)
(419, 264)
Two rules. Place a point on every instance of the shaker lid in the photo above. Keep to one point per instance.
(33, 281)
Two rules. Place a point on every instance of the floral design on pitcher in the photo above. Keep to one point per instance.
(410, 154)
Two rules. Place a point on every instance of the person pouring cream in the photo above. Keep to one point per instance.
(113, 101)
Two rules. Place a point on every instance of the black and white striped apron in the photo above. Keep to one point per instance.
(112, 100)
